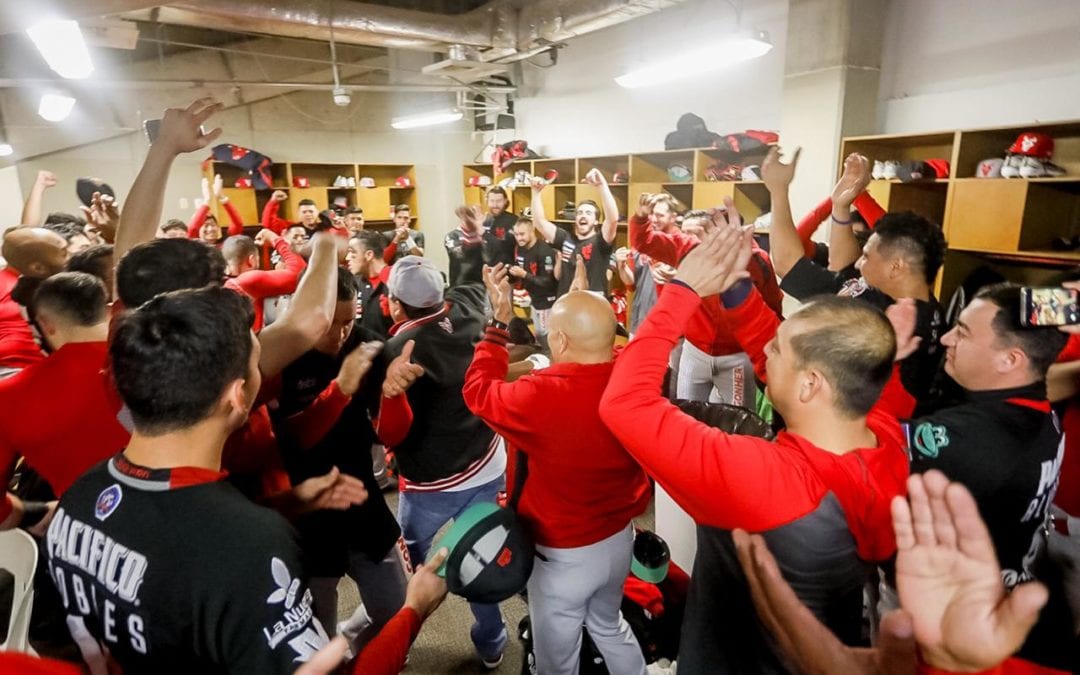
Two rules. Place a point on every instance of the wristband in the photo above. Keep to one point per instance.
(842, 222)
(737, 294)
(495, 323)
(33, 513)
(409, 243)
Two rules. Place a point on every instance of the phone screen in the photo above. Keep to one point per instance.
(151, 127)
(1049, 306)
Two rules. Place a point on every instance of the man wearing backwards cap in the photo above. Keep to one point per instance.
(580, 519)
(448, 459)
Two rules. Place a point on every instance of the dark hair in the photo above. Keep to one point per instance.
(58, 217)
(354, 209)
(915, 238)
(401, 207)
(307, 202)
(852, 343)
(173, 224)
(371, 241)
(164, 265)
(173, 356)
(68, 229)
(346, 285)
(96, 260)
(589, 202)
(497, 190)
(293, 227)
(1041, 344)
(519, 332)
(79, 297)
(523, 220)
(419, 312)
(238, 247)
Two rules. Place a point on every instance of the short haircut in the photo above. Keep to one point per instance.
(497, 190)
(173, 357)
(96, 260)
(694, 214)
(57, 217)
(674, 205)
(371, 241)
(346, 285)
(164, 265)
(401, 207)
(852, 343)
(293, 227)
(238, 247)
(173, 224)
(589, 202)
(68, 229)
(914, 238)
(80, 298)
(306, 202)
(1041, 344)
(527, 222)
(354, 209)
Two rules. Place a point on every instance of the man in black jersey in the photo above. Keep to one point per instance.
(589, 239)
(536, 269)
(465, 247)
(900, 260)
(322, 415)
(1005, 445)
(499, 240)
(162, 566)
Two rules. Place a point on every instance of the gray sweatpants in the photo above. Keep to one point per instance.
(716, 379)
(382, 592)
(574, 587)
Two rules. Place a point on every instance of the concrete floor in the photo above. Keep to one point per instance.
(443, 645)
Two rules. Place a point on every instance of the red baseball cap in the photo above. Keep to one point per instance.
(1033, 144)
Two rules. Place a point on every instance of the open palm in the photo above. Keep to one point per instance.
(947, 576)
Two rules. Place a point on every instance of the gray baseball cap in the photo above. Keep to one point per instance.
(415, 281)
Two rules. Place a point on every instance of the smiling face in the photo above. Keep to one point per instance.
(585, 220)
(210, 231)
(354, 221)
(973, 352)
(496, 202)
(524, 234)
(663, 217)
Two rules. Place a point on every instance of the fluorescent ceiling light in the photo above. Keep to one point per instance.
(62, 46)
(6, 150)
(699, 61)
(427, 119)
(55, 107)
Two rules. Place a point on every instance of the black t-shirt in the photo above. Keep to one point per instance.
(369, 308)
(499, 242)
(173, 574)
(594, 249)
(466, 254)
(918, 371)
(539, 265)
(370, 528)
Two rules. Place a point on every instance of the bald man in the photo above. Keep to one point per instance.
(34, 253)
(581, 520)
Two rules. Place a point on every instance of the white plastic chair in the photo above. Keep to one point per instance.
(18, 555)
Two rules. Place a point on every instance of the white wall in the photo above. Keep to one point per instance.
(308, 127)
(973, 63)
(576, 108)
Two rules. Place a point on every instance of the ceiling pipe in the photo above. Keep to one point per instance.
(11, 83)
(18, 15)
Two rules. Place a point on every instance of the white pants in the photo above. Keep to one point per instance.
(574, 587)
(716, 379)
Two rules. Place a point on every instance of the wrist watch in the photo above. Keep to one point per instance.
(495, 323)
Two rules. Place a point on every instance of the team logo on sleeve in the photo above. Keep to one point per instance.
(297, 624)
(108, 501)
(929, 439)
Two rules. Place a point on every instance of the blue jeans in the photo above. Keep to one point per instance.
(421, 514)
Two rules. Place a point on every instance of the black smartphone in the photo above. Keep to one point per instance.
(152, 128)
(1048, 306)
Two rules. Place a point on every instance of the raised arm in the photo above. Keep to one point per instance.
(809, 225)
(666, 247)
(610, 226)
(844, 248)
(785, 246)
(269, 283)
(236, 221)
(625, 264)
(33, 212)
(309, 314)
(180, 133)
(270, 219)
(546, 227)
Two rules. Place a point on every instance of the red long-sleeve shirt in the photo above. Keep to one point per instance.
(18, 349)
(236, 225)
(278, 225)
(387, 651)
(710, 329)
(61, 415)
(730, 481)
(1068, 493)
(867, 207)
(552, 416)
(262, 284)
